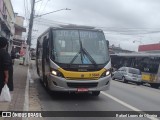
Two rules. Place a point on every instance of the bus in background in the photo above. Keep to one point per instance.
(148, 63)
(74, 59)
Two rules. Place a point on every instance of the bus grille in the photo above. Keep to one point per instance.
(82, 85)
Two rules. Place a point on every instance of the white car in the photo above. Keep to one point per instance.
(128, 74)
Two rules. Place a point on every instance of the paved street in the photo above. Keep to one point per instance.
(130, 97)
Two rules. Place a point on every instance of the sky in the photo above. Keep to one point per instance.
(126, 23)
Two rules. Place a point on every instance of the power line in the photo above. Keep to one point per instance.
(40, 7)
(50, 21)
(39, 10)
(45, 5)
(126, 31)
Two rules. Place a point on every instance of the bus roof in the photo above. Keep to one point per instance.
(76, 27)
(137, 54)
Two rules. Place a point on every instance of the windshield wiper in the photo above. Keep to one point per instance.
(83, 52)
(89, 56)
(75, 57)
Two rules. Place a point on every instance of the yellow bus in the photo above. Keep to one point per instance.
(74, 59)
(148, 63)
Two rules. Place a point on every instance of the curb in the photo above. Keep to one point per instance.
(26, 100)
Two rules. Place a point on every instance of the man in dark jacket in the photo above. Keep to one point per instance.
(13, 55)
(6, 68)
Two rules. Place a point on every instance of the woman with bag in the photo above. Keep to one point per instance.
(6, 67)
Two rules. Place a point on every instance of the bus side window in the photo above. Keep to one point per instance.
(38, 50)
(46, 48)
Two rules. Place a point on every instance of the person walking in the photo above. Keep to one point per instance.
(13, 55)
(6, 67)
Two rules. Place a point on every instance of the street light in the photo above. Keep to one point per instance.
(31, 25)
(51, 12)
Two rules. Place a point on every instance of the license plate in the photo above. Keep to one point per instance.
(82, 89)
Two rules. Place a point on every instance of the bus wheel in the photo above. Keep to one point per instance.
(95, 93)
(45, 82)
(155, 85)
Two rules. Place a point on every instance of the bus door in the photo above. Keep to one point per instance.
(158, 75)
(45, 56)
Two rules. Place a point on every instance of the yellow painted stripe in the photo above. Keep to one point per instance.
(82, 75)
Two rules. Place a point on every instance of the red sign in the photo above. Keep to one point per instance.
(82, 89)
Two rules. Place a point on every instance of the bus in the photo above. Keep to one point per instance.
(147, 63)
(74, 59)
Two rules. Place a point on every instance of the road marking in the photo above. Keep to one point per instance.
(127, 105)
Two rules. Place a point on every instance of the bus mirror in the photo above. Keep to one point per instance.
(53, 54)
(107, 42)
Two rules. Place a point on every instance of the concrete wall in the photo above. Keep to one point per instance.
(18, 32)
(10, 15)
(19, 20)
(8, 18)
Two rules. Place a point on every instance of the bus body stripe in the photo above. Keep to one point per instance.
(82, 75)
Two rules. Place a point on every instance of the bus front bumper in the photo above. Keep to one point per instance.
(61, 84)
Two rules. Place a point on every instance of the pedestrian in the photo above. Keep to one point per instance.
(6, 67)
(13, 55)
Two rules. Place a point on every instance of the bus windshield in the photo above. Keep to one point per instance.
(79, 47)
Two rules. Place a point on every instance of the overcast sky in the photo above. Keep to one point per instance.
(123, 21)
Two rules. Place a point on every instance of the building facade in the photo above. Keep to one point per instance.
(114, 50)
(19, 43)
(150, 48)
(7, 19)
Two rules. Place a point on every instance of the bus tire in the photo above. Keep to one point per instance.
(95, 93)
(45, 82)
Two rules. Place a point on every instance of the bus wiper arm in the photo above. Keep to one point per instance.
(75, 57)
(89, 56)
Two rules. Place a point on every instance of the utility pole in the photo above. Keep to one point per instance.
(31, 24)
(29, 37)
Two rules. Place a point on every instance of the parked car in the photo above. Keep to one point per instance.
(33, 55)
(128, 74)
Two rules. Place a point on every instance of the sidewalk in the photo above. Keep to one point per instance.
(18, 95)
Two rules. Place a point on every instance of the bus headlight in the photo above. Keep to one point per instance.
(106, 73)
(56, 73)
